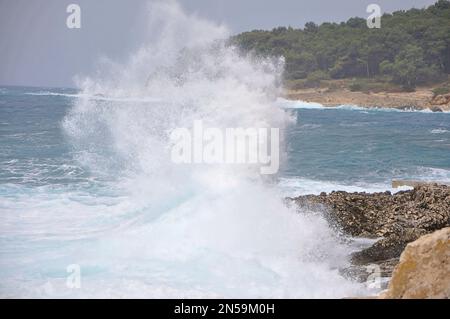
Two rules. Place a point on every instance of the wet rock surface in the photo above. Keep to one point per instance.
(397, 219)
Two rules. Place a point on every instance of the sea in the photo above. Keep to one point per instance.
(91, 205)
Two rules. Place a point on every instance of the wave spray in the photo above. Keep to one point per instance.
(168, 230)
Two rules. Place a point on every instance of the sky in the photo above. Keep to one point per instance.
(37, 48)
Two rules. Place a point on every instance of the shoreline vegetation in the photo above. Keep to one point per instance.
(403, 64)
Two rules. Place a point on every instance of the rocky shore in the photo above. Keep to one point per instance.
(421, 99)
(393, 219)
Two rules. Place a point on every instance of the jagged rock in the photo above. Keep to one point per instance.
(399, 219)
(436, 109)
(423, 270)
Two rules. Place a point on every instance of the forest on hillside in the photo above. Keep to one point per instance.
(411, 48)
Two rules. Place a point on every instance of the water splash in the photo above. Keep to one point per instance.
(155, 229)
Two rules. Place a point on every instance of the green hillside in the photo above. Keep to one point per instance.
(411, 48)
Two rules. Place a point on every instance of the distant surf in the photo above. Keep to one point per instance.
(298, 104)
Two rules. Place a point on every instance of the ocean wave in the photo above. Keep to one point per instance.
(96, 97)
(48, 93)
(433, 174)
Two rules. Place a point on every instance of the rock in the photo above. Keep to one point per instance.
(399, 218)
(436, 109)
(423, 270)
(426, 207)
(405, 107)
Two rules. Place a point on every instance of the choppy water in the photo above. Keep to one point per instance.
(55, 211)
(327, 149)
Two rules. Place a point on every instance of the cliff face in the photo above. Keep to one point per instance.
(398, 219)
(423, 270)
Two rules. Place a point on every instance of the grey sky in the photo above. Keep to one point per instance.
(37, 49)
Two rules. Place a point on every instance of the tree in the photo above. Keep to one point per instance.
(407, 66)
(311, 27)
(412, 47)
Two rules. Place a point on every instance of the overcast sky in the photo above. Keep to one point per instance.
(37, 49)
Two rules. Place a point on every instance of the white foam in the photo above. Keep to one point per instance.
(99, 97)
(174, 231)
(298, 104)
(439, 131)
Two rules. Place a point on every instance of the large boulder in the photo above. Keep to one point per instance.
(441, 99)
(423, 270)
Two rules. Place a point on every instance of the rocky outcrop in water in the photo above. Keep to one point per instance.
(423, 270)
(399, 219)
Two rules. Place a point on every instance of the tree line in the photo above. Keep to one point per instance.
(412, 47)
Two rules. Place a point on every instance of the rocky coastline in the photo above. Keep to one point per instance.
(421, 99)
(392, 220)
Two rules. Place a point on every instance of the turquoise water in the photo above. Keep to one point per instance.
(176, 236)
